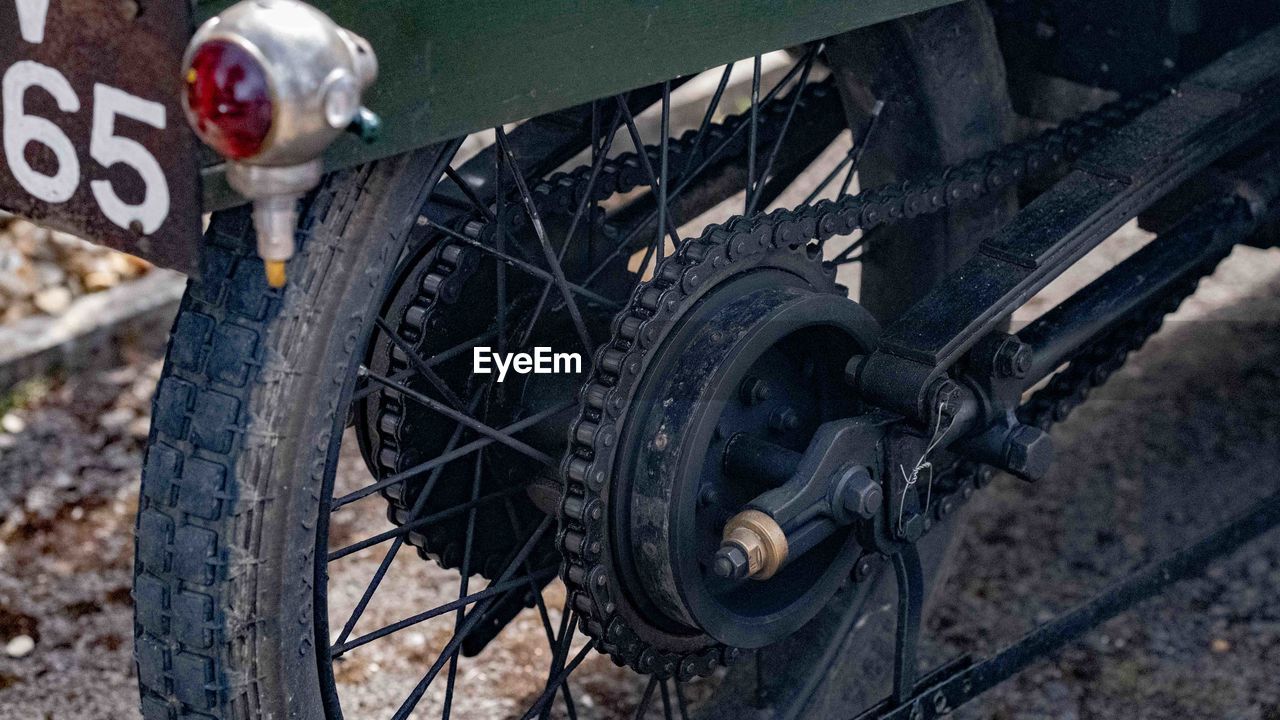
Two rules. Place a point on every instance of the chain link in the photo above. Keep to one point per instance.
(639, 327)
(653, 305)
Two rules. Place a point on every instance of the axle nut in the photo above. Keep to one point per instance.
(731, 562)
(1028, 453)
(755, 536)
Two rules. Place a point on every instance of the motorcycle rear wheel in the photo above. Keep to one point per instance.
(231, 576)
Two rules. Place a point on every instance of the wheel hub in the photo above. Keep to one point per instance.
(757, 360)
(730, 346)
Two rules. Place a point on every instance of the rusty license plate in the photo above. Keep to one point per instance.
(94, 138)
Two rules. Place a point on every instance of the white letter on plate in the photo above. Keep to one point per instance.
(31, 14)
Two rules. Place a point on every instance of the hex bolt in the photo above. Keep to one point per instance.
(1012, 359)
(754, 391)
(784, 420)
(862, 569)
(860, 494)
(707, 496)
(944, 398)
(1028, 452)
(731, 562)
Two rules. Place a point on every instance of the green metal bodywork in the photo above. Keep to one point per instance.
(450, 67)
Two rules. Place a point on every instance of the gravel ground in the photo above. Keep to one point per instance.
(43, 271)
(1182, 439)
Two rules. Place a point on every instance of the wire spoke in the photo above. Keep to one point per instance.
(643, 155)
(464, 419)
(666, 701)
(540, 231)
(392, 551)
(450, 454)
(560, 678)
(686, 180)
(663, 172)
(643, 708)
(418, 523)
(463, 582)
(541, 604)
(465, 187)
(406, 708)
(754, 196)
(755, 133)
(414, 359)
(560, 653)
(500, 239)
(599, 155)
(436, 359)
(853, 160)
(596, 166)
(517, 262)
(846, 257)
(835, 171)
(369, 590)
(862, 146)
(488, 593)
(371, 388)
(707, 117)
(681, 702)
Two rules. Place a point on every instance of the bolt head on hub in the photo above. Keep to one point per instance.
(754, 391)
(731, 562)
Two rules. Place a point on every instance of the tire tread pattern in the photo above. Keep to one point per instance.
(234, 352)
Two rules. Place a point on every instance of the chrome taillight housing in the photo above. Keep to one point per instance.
(229, 100)
(270, 85)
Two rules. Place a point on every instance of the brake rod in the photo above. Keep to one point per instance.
(936, 698)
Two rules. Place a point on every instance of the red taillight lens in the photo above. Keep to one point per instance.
(228, 99)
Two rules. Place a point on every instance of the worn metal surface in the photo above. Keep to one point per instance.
(96, 46)
(455, 66)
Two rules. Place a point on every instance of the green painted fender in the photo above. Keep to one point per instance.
(450, 67)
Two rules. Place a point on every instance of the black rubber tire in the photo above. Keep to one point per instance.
(244, 418)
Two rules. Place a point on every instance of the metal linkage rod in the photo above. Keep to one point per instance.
(1190, 249)
(941, 697)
